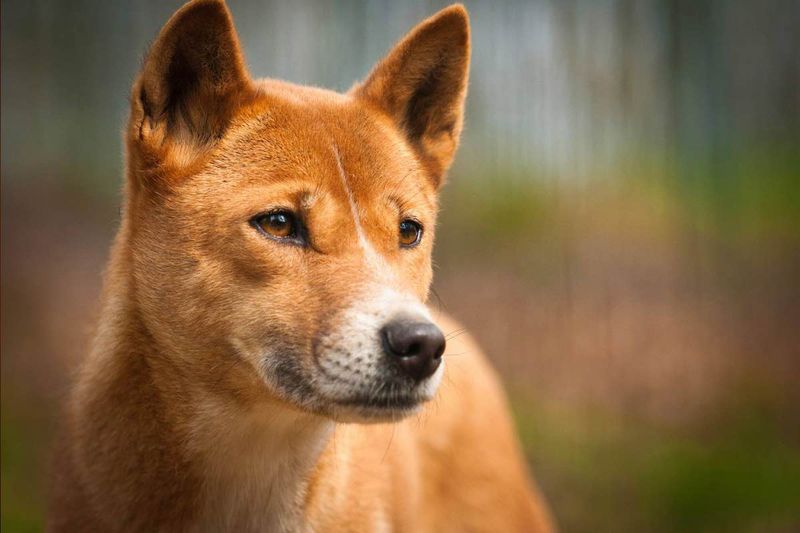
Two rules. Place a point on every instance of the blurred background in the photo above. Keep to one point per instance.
(621, 232)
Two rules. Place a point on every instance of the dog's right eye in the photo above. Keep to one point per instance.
(279, 225)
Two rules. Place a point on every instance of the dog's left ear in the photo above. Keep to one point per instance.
(422, 83)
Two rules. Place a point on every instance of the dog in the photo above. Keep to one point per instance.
(264, 359)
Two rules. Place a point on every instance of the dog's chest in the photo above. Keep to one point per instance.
(267, 498)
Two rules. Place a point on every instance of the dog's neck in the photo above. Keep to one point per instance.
(254, 454)
(257, 463)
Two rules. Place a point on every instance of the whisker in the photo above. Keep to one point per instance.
(455, 333)
(389, 445)
(439, 302)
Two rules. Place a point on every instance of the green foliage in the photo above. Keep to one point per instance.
(23, 440)
(605, 473)
(495, 209)
(723, 486)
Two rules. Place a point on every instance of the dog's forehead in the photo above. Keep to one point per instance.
(317, 134)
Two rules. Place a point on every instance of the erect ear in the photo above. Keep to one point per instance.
(422, 84)
(191, 82)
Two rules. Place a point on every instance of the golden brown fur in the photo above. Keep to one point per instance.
(195, 409)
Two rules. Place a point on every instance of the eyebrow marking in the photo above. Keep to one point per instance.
(373, 258)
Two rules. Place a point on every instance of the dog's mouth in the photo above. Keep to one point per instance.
(379, 408)
(390, 400)
(387, 396)
(384, 402)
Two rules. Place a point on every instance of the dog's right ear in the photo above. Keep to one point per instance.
(191, 83)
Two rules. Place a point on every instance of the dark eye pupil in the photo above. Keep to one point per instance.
(278, 219)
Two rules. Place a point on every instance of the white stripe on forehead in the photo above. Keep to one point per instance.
(373, 258)
(362, 239)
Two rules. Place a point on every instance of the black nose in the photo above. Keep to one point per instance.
(415, 345)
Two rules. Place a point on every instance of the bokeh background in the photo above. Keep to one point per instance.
(621, 232)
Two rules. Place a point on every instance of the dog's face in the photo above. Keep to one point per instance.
(288, 230)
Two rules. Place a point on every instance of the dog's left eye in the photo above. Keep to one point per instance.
(281, 225)
(410, 233)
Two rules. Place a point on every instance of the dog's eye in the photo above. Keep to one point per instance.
(278, 225)
(410, 233)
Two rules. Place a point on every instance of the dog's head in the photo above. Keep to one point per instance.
(288, 230)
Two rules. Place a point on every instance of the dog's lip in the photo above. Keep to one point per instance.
(376, 410)
(402, 400)
(405, 400)
(383, 403)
